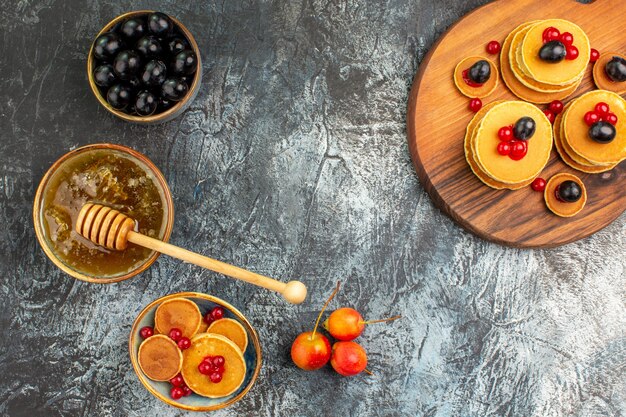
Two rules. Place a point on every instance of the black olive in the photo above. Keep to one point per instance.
(149, 47)
(160, 24)
(133, 28)
(127, 64)
(569, 192)
(153, 73)
(480, 72)
(185, 63)
(616, 69)
(524, 128)
(176, 44)
(104, 76)
(107, 46)
(602, 132)
(119, 96)
(174, 89)
(553, 52)
(146, 103)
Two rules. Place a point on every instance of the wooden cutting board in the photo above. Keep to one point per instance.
(438, 115)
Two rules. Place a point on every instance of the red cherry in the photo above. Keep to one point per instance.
(175, 334)
(519, 149)
(549, 115)
(602, 109)
(177, 381)
(595, 55)
(217, 313)
(176, 393)
(611, 118)
(567, 38)
(504, 148)
(219, 361)
(205, 368)
(186, 391)
(505, 134)
(591, 117)
(215, 377)
(556, 106)
(493, 47)
(539, 184)
(572, 53)
(551, 34)
(146, 332)
(184, 343)
(475, 104)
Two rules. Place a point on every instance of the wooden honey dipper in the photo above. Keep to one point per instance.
(108, 227)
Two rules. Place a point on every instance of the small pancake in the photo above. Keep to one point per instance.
(179, 313)
(208, 344)
(577, 131)
(602, 80)
(560, 208)
(231, 329)
(159, 358)
(475, 92)
(519, 89)
(502, 168)
(563, 73)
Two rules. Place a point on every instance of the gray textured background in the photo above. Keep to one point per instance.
(293, 162)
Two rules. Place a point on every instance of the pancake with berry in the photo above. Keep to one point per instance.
(595, 127)
(609, 72)
(565, 195)
(179, 313)
(213, 381)
(513, 142)
(476, 77)
(555, 52)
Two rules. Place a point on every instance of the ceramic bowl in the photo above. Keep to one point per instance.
(195, 402)
(170, 113)
(58, 166)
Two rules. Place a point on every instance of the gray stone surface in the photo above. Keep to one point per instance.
(293, 162)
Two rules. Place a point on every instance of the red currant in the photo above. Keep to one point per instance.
(595, 55)
(519, 149)
(475, 104)
(175, 334)
(551, 34)
(215, 377)
(177, 381)
(176, 393)
(146, 332)
(602, 109)
(556, 106)
(186, 391)
(611, 118)
(219, 361)
(205, 368)
(504, 148)
(539, 184)
(572, 53)
(567, 38)
(549, 115)
(184, 343)
(493, 47)
(505, 134)
(591, 117)
(217, 313)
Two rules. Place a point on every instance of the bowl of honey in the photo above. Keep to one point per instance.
(108, 174)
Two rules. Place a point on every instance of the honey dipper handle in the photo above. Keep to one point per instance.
(292, 291)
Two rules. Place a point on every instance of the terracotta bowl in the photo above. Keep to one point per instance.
(170, 113)
(195, 402)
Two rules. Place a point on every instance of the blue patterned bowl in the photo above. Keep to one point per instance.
(196, 402)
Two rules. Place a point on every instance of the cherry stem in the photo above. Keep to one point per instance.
(317, 322)
(367, 371)
(382, 320)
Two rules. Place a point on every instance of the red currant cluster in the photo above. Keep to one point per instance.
(515, 149)
(601, 113)
(554, 108)
(553, 34)
(214, 314)
(213, 367)
(177, 336)
(179, 388)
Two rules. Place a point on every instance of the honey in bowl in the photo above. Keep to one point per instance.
(110, 176)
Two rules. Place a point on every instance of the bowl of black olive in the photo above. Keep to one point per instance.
(144, 67)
